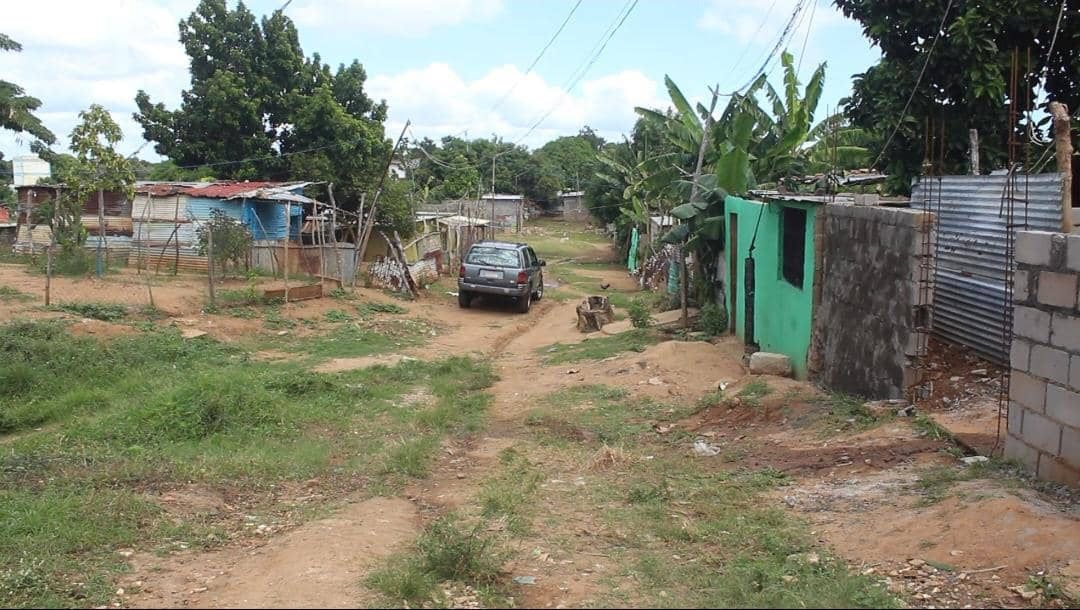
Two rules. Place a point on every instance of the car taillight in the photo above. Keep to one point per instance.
(522, 277)
(461, 271)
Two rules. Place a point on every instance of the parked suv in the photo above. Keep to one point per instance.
(501, 268)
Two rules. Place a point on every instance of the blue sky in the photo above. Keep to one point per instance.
(444, 64)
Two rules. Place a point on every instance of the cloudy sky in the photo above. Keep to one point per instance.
(451, 66)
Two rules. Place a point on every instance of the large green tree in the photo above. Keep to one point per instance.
(259, 108)
(17, 108)
(966, 81)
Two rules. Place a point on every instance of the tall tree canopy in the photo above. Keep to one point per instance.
(17, 108)
(966, 81)
(256, 98)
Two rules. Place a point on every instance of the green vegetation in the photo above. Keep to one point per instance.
(753, 392)
(152, 410)
(370, 308)
(9, 294)
(601, 347)
(108, 312)
(509, 493)
(713, 319)
(640, 316)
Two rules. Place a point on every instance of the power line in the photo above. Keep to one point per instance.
(903, 113)
(809, 26)
(538, 56)
(580, 73)
(776, 47)
(761, 26)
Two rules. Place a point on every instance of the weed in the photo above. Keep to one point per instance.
(601, 347)
(713, 319)
(711, 399)
(508, 494)
(8, 294)
(753, 392)
(108, 312)
(244, 313)
(336, 315)
(640, 316)
(275, 321)
(844, 412)
(929, 428)
(370, 308)
(341, 294)
(934, 483)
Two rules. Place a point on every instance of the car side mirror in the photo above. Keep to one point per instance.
(543, 263)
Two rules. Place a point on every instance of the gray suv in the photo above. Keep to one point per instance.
(501, 268)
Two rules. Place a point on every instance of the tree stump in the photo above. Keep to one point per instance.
(593, 313)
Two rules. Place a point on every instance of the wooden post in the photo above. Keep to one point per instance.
(399, 254)
(973, 135)
(333, 232)
(1064, 149)
(356, 243)
(52, 246)
(288, 231)
(176, 229)
(101, 230)
(318, 239)
(210, 263)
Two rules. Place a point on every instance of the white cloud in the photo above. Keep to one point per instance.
(395, 17)
(760, 23)
(78, 53)
(440, 102)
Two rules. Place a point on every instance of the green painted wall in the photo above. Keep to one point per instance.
(782, 312)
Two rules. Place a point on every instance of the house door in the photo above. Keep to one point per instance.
(733, 269)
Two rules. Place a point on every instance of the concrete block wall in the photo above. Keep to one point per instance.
(1044, 394)
(870, 315)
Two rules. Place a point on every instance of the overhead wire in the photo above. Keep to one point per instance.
(903, 113)
(539, 56)
(806, 37)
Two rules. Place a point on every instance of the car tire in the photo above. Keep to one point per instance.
(464, 299)
(524, 302)
(539, 294)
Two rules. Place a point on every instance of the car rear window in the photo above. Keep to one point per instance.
(493, 257)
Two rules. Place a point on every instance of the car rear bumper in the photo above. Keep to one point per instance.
(506, 291)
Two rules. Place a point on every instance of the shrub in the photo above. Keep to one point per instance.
(713, 319)
(639, 313)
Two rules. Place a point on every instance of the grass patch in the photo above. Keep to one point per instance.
(752, 393)
(508, 495)
(370, 308)
(447, 550)
(9, 294)
(107, 312)
(600, 347)
(603, 415)
(934, 483)
(846, 412)
(155, 411)
(336, 315)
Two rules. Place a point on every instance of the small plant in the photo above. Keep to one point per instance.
(7, 293)
(107, 312)
(640, 316)
(336, 315)
(371, 308)
(248, 295)
(340, 294)
(449, 551)
(713, 319)
(232, 240)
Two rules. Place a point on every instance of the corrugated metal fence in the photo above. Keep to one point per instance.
(969, 292)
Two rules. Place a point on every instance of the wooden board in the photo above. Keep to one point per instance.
(296, 293)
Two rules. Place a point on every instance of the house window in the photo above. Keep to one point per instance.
(793, 245)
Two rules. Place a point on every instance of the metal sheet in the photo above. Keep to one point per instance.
(969, 293)
(159, 208)
(160, 232)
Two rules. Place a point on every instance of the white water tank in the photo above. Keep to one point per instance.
(28, 169)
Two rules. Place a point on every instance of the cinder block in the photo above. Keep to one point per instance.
(1057, 289)
(1074, 372)
(1063, 405)
(1041, 432)
(1070, 446)
(1017, 449)
(1028, 391)
(1065, 331)
(1016, 418)
(1033, 247)
(1057, 470)
(1031, 323)
(1020, 286)
(1049, 363)
(1072, 256)
(1020, 355)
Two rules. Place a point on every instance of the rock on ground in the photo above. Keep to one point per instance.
(766, 363)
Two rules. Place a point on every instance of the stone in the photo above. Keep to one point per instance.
(1028, 391)
(1042, 433)
(1016, 449)
(767, 363)
(1057, 289)
(1020, 355)
(1020, 285)
(192, 333)
(1063, 405)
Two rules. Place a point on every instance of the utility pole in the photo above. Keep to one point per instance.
(683, 283)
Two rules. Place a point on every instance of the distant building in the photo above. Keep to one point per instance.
(397, 170)
(571, 205)
(29, 169)
(507, 211)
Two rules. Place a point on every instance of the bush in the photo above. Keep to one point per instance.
(639, 313)
(713, 319)
(106, 312)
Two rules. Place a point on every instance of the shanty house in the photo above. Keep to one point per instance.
(34, 234)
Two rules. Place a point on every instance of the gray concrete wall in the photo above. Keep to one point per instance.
(1044, 393)
(865, 331)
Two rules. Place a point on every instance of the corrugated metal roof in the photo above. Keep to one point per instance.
(163, 189)
(459, 221)
(969, 294)
(228, 190)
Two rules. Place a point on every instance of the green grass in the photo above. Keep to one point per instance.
(935, 483)
(447, 550)
(370, 308)
(753, 392)
(108, 312)
(153, 411)
(9, 294)
(847, 413)
(599, 348)
(508, 495)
